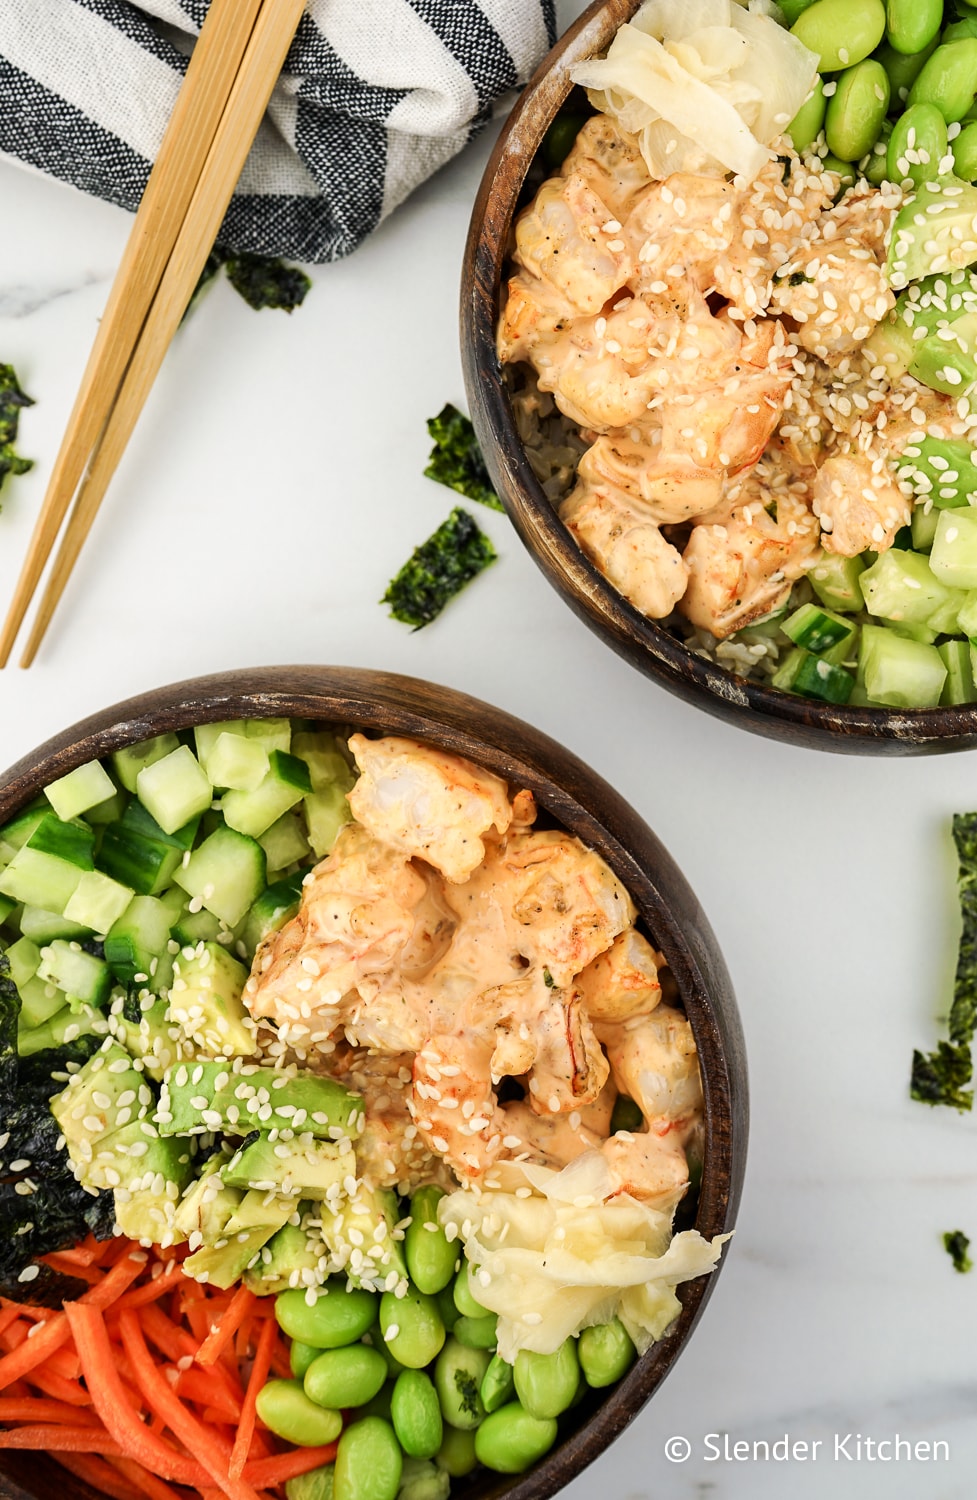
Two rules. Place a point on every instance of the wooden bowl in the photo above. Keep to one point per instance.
(581, 802)
(647, 645)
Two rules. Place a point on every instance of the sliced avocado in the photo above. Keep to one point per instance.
(289, 1259)
(205, 1000)
(105, 1094)
(208, 1205)
(226, 1262)
(302, 1167)
(154, 1039)
(257, 1209)
(360, 1237)
(946, 360)
(237, 1097)
(124, 1157)
(935, 231)
(145, 1215)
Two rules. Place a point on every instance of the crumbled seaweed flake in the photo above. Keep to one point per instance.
(438, 569)
(941, 1077)
(456, 459)
(956, 1244)
(12, 400)
(265, 282)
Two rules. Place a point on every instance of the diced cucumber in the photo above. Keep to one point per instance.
(72, 842)
(39, 1002)
(813, 676)
(7, 908)
(109, 811)
(326, 762)
(24, 958)
(79, 974)
(97, 901)
(273, 734)
(66, 1025)
(81, 789)
(236, 762)
(175, 789)
(136, 944)
(923, 528)
(193, 927)
(944, 619)
(227, 874)
(284, 842)
(967, 615)
(900, 673)
(205, 1001)
(287, 781)
(138, 853)
(817, 629)
(901, 586)
(43, 927)
(953, 559)
(273, 908)
(14, 835)
(959, 685)
(129, 762)
(835, 580)
(39, 879)
(940, 469)
(326, 812)
(911, 631)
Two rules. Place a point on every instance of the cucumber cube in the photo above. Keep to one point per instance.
(14, 835)
(43, 927)
(7, 908)
(237, 763)
(286, 783)
(137, 943)
(81, 789)
(39, 879)
(129, 762)
(227, 874)
(326, 762)
(24, 958)
(69, 841)
(923, 527)
(174, 790)
(109, 811)
(901, 586)
(326, 812)
(137, 852)
(967, 615)
(813, 677)
(900, 673)
(193, 927)
(953, 559)
(959, 685)
(273, 734)
(284, 842)
(79, 974)
(97, 901)
(66, 1025)
(817, 629)
(273, 908)
(205, 1001)
(835, 580)
(39, 1002)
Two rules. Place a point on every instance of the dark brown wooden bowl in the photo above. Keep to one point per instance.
(583, 803)
(647, 645)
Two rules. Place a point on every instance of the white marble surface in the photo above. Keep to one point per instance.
(273, 487)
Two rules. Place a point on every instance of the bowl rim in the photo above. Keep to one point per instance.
(642, 641)
(587, 805)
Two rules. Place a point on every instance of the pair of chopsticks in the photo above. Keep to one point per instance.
(232, 71)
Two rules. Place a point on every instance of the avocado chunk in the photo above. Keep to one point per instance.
(142, 1214)
(208, 1205)
(258, 1208)
(360, 1237)
(205, 1001)
(237, 1098)
(303, 1167)
(289, 1259)
(947, 359)
(153, 1038)
(126, 1157)
(105, 1094)
(935, 231)
(226, 1262)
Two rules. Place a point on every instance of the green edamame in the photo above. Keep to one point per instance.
(369, 1462)
(510, 1440)
(337, 1316)
(300, 1357)
(841, 32)
(377, 1341)
(380, 1405)
(791, 9)
(458, 1375)
(547, 1383)
(416, 1414)
(874, 166)
(606, 1352)
(948, 79)
(856, 109)
(287, 1411)
(917, 145)
(316, 1485)
(412, 1328)
(902, 71)
(844, 169)
(465, 1299)
(964, 150)
(421, 1481)
(351, 1376)
(477, 1333)
(431, 1258)
(910, 25)
(456, 1456)
(498, 1385)
(965, 27)
(446, 1307)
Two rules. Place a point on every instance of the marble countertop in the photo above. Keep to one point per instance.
(273, 487)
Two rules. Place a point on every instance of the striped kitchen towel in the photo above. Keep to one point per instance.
(374, 97)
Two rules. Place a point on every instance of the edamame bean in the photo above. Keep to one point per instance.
(874, 166)
(456, 1456)
(948, 79)
(477, 1333)
(337, 1316)
(420, 1481)
(412, 1328)
(791, 9)
(300, 1357)
(345, 1377)
(416, 1414)
(547, 1383)
(287, 1411)
(605, 1352)
(465, 1299)
(960, 29)
(856, 110)
(803, 131)
(964, 150)
(844, 169)
(841, 32)
(431, 1259)
(917, 145)
(510, 1440)
(446, 1307)
(498, 1385)
(368, 1462)
(458, 1376)
(903, 71)
(380, 1405)
(377, 1341)
(910, 25)
(316, 1485)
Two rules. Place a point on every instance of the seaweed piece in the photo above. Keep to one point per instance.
(266, 282)
(941, 1077)
(956, 1244)
(9, 1016)
(456, 459)
(48, 1288)
(438, 569)
(12, 401)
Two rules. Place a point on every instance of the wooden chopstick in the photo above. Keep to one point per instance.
(213, 67)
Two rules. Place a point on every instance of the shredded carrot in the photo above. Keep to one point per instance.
(34, 1351)
(53, 1439)
(69, 1391)
(154, 1289)
(234, 1315)
(268, 1472)
(10, 1313)
(85, 1254)
(80, 1271)
(99, 1473)
(259, 1374)
(201, 1387)
(146, 1483)
(169, 1338)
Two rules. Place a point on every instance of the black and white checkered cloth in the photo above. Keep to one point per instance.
(374, 97)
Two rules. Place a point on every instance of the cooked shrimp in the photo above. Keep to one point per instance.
(453, 1104)
(860, 504)
(653, 1061)
(627, 547)
(390, 1152)
(610, 162)
(623, 981)
(569, 238)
